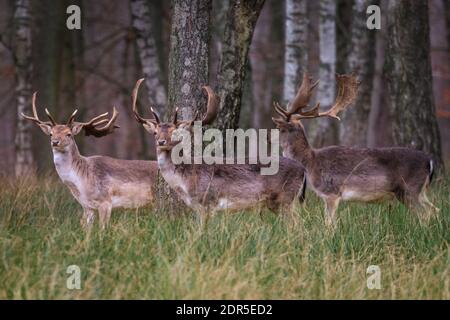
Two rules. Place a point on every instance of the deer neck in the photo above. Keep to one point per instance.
(174, 178)
(69, 164)
(299, 149)
(165, 163)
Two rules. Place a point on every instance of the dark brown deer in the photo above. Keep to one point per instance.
(216, 187)
(98, 182)
(352, 174)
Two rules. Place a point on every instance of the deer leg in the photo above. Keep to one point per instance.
(428, 208)
(88, 218)
(104, 212)
(331, 205)
(427, 202)
(273, 206)
(415, 203)
(289, 211)
(202, 215)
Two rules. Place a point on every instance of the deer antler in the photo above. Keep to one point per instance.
(347, 92)
(212, 108)
(135, 111)
(35, 117)
(300, 101)
(92, 126)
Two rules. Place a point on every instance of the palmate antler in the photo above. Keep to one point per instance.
(90, 127)
(347, 92)
(212, 109)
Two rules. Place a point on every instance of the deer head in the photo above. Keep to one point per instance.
(62, 134)
(289, 122)
(163, 130)
(299, 109)
(347, 91)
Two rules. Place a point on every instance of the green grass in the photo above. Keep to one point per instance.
(237, 256)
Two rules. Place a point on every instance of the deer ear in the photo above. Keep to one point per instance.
(45, 128)
(279, 122)
(185, 125)
(76, 128)
(149, 126)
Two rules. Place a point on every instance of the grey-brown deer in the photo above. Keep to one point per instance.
(97, 182)
(208, 188)
(352, 174)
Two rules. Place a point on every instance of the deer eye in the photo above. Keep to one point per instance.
(68, 135)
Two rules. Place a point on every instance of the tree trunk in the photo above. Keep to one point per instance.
(188, 72)
(380, 121)
(262, 56)
(440, 62)
(51, 15)
(447, 16)
(148, 53)
(296, 52)
(25, 163)
(409, 74)
(325, 132)
(355, 120)
(241, 20)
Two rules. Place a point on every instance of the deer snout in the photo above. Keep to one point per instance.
(55, 143)
(162, 142)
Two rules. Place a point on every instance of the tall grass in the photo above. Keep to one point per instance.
(236, 256)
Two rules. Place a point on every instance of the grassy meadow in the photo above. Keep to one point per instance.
(245, 255)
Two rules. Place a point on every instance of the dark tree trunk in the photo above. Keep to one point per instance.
(51, 15)
(408, 69)
(440, 62)
(25, 163)
(48, 52)
(241, 20)
(447, 16)
(188, 72)
(261, 57)
(355, 120)
(380, 120)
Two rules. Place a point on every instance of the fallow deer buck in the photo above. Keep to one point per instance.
(208, 188)
(97, 182)
(352, 174)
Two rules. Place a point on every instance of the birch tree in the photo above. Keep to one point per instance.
(409, 77)
(296, 52)
(241, 20)
(361, 59)
(325, 131)
(25, 162)
(148, 52)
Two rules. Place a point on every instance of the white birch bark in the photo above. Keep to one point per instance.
(326, 92)
(25, 162)
(148, 53)
(296, 54)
